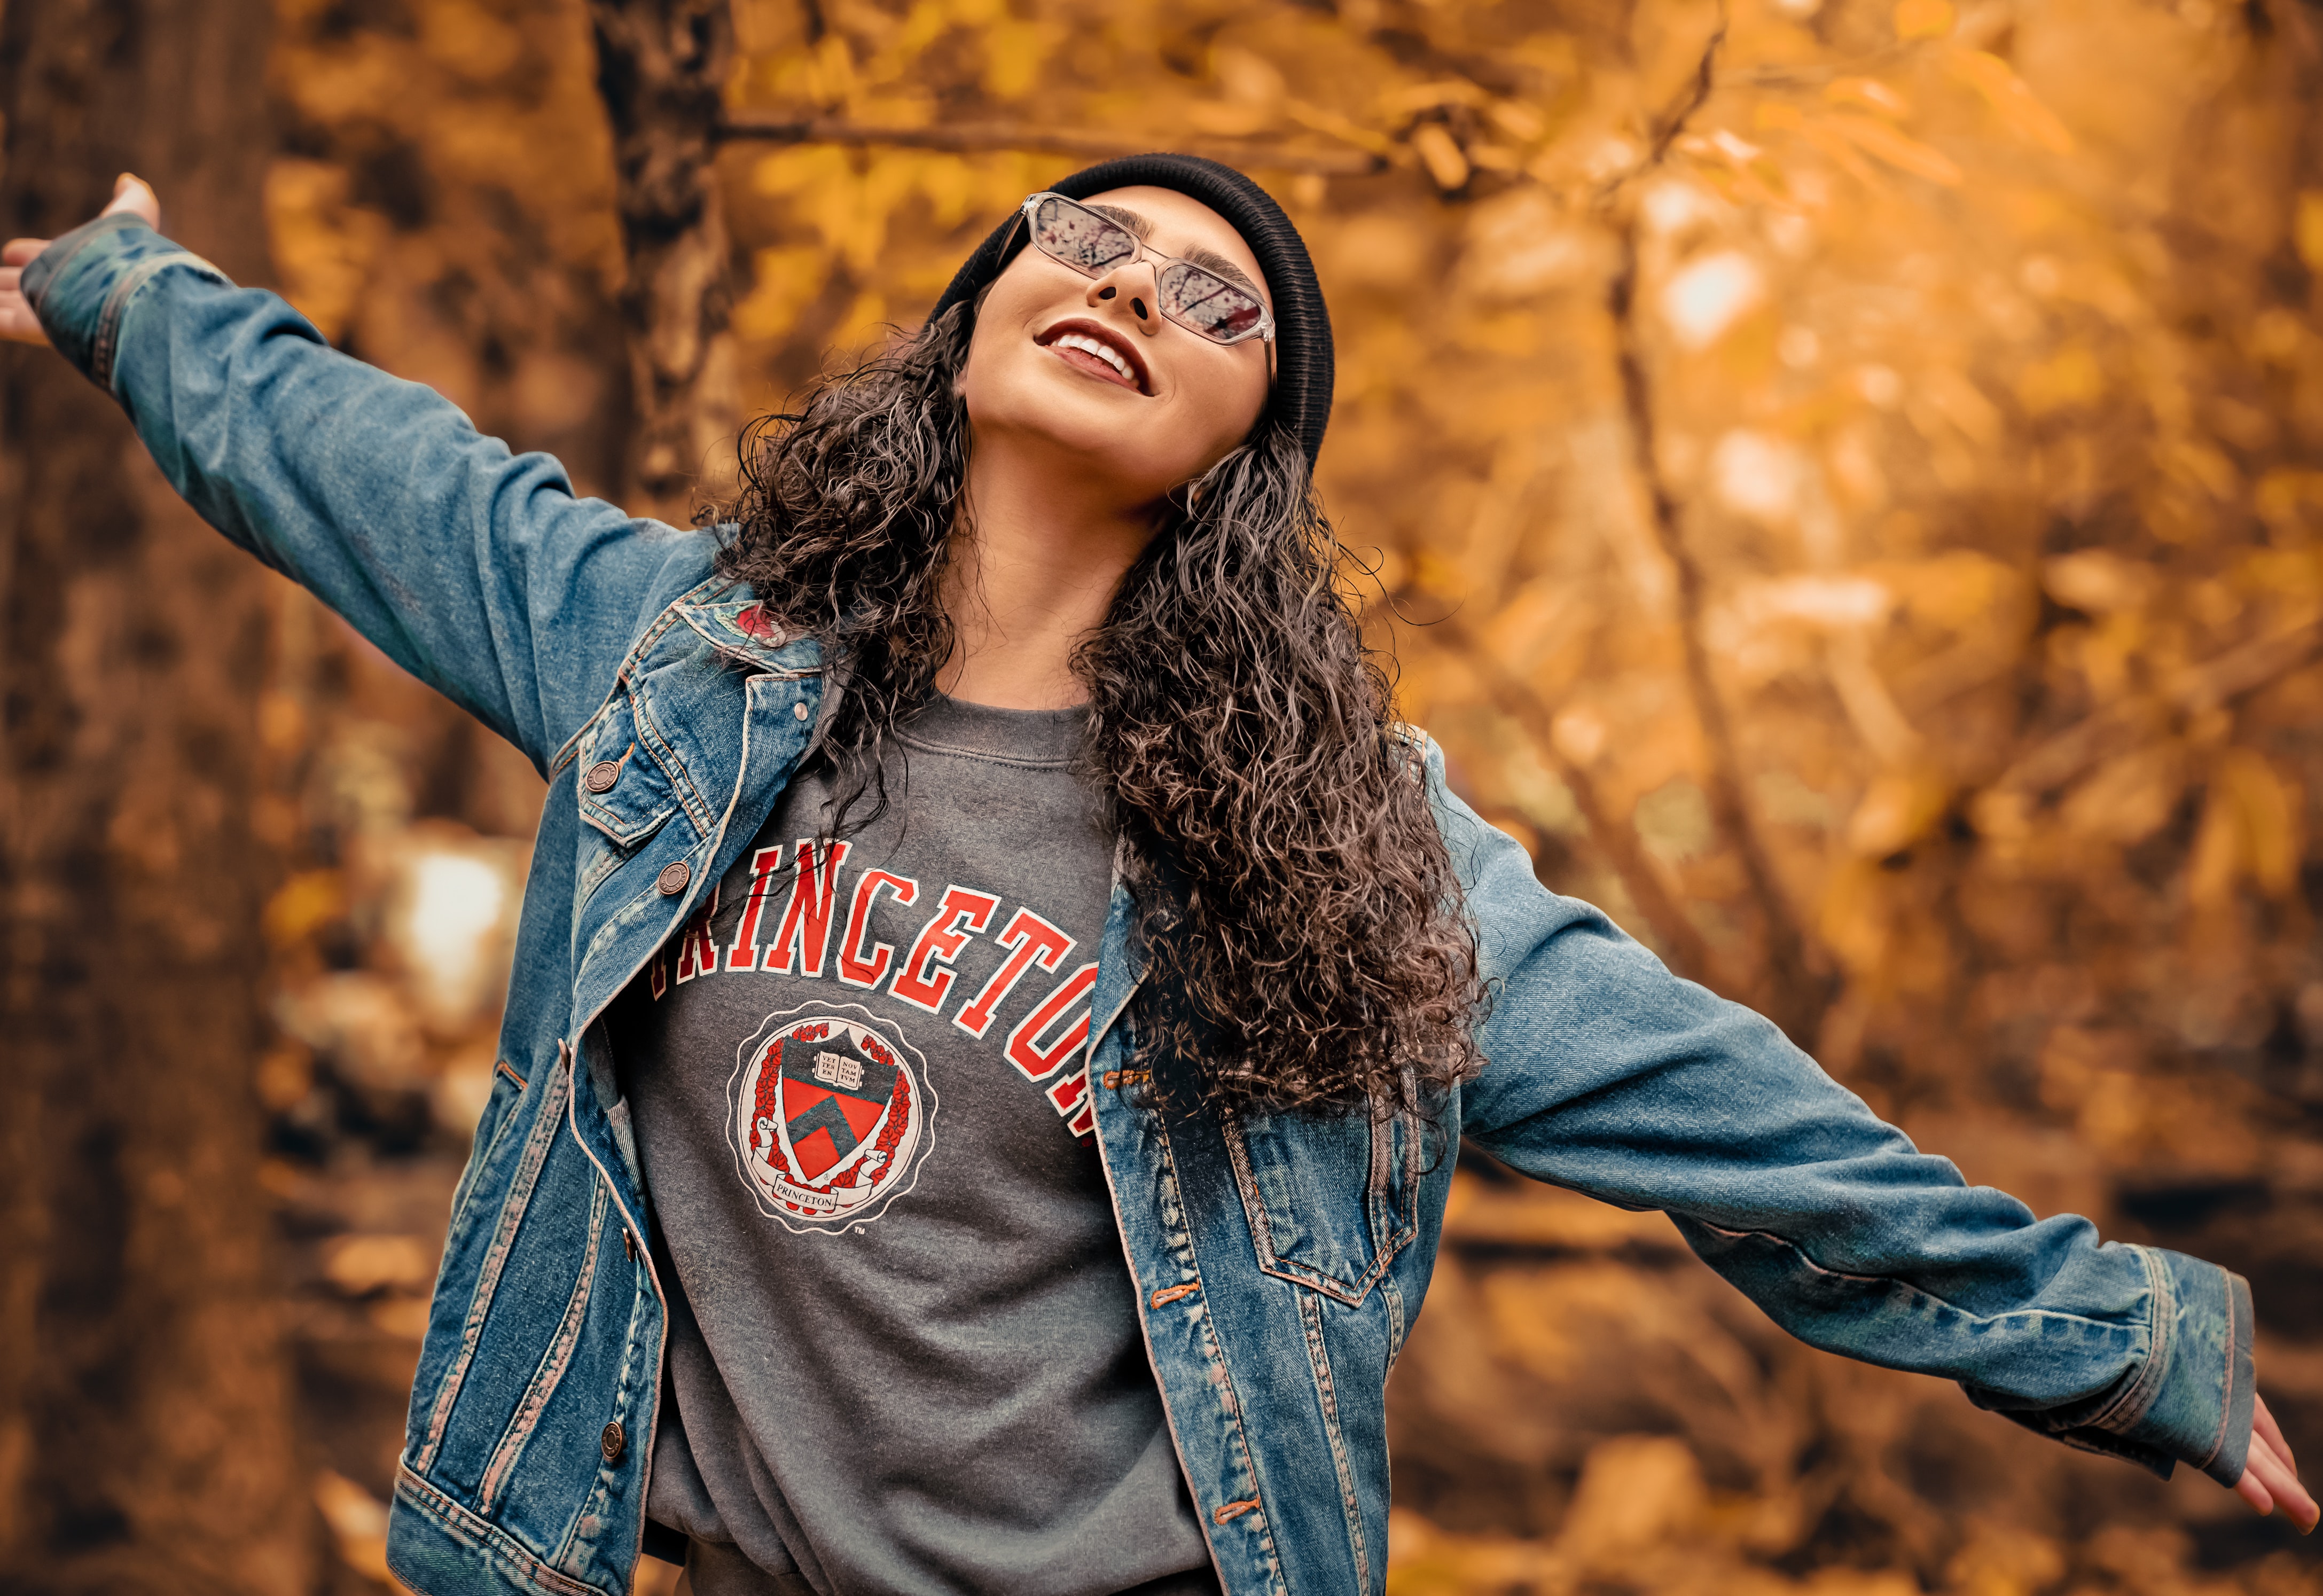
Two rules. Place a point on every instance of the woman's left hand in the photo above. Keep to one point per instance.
(2271, 1478)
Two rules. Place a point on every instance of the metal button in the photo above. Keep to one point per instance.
(630, 1244)
(672, 878)
(614, 1442)
(602, 776)
(799, 710)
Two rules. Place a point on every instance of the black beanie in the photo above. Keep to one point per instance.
(1302, 326)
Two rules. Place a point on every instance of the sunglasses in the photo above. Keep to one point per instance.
(1198, 299)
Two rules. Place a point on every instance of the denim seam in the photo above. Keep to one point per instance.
(102, 228)
(116, 306)
(488, 1275)
(1221, 1380)
(555, 1359)
(2137, 1401)
(1392, 1295)
(2227, 1407)
(458, 1521)
(623, 1381)
(1306, 1275)
(484, 1157)
(1351, 1507)
(652, 634)
(666, 755)
(636, 1222)
(1145, 1308)
(1841, 1274)
(627, 833)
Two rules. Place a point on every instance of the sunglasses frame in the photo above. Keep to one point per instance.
(1263, 330)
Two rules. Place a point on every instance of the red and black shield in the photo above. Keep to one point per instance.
(834, 1097)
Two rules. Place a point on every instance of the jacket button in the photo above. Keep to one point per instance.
(602, 776)
(672, 878)
(613, 1442)
(799, 710)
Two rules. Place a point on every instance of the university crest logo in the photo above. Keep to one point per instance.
(830, 1114)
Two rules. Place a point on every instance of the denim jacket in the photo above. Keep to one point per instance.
(1278, 1261)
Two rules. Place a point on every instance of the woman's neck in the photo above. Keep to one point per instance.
(1034, 566)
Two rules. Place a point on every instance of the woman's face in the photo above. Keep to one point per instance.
(1183, 403)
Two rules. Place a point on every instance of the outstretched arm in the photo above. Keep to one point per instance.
(477, 570)
(1610, 1076)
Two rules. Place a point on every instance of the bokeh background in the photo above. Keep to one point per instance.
(1842, 478)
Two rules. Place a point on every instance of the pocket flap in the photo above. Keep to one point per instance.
(624, 792)
(1330, 1200)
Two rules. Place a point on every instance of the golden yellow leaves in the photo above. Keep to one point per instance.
(324, 246)
(2307, 230)
(2069, 379)
(2252, 830)
(1923, 19)
(2012, 99)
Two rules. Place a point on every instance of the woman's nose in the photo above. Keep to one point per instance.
(1134, 283)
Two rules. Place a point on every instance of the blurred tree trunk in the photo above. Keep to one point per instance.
(146, 1432)
(661, 68)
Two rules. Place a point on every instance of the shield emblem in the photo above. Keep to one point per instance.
(830, 1114)
(834, 1101)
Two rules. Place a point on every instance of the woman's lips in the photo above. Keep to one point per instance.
(1098, 351)
(1080, 360)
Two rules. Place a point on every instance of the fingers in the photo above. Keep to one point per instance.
(2263, 1424)
(18, 324)
(2252, 1490)
(2269, 1482)
(2281, 1486)
(20, 251)
(132, 193)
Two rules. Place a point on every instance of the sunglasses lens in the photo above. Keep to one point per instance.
(1081, 239)
(1208, 303)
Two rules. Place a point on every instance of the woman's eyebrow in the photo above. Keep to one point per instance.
(1127, 218)
(1209, 259)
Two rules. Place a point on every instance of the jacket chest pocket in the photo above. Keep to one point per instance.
(1330, 1201)
(624, 792)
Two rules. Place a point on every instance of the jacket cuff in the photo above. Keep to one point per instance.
(2202, 1403)
(81, 286)
(2190, 1400)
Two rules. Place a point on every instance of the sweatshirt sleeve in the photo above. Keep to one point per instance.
(1608, 1075)
(477, 570)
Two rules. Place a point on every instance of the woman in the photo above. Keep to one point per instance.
(998, 994)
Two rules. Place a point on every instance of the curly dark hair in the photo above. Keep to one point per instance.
(1296, 900)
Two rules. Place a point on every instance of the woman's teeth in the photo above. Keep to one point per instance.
(1103, 351)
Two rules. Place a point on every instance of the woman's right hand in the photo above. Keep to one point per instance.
(18, 324)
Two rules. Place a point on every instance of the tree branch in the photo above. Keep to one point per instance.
(661, 68)
(1795, 996)
(980, 137)
(2213, 685)
(1611, 834)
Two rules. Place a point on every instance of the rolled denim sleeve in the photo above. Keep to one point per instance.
(1608, 1075)
(477, 570)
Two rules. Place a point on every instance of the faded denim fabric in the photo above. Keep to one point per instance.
(1279, 1260)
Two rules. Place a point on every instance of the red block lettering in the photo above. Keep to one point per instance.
(806, 923)
(697, 955)
(1032, 941)
(744, 953)
(1037, 1060)
(920, 980)
(1070, 1098)
(855, 967)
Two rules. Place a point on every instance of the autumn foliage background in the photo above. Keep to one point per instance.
(1842, 480)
